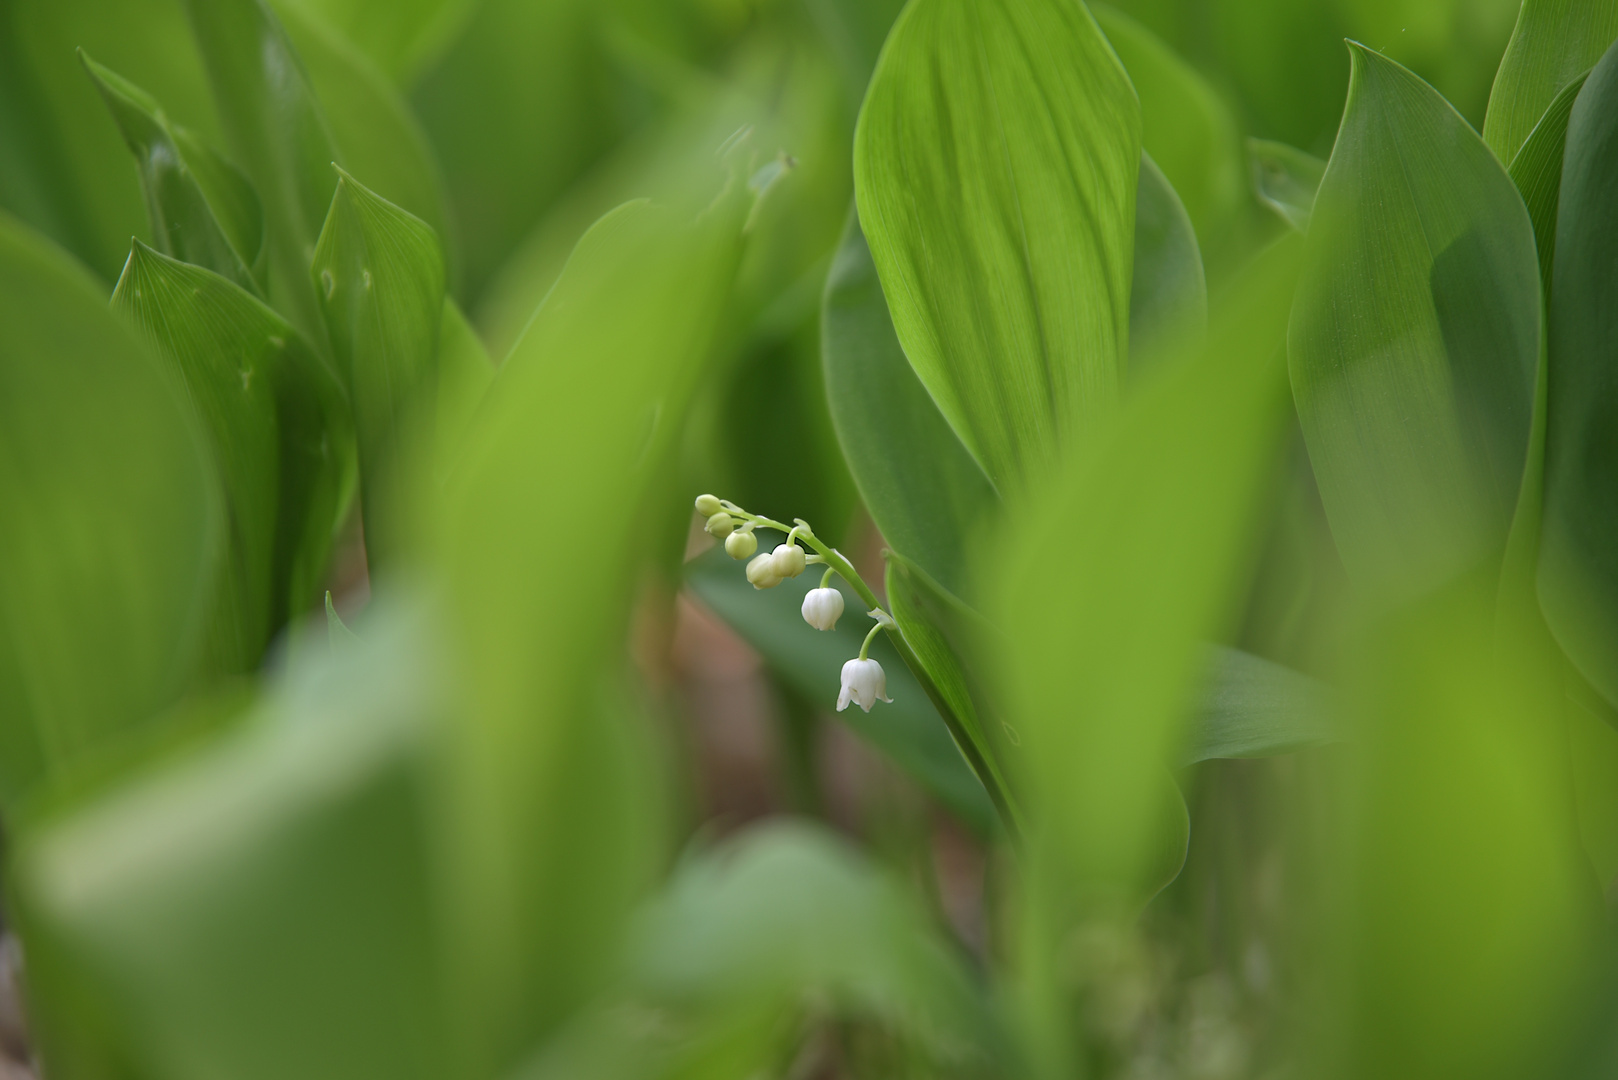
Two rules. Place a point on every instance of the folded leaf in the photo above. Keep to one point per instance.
(995, 165)
(1251, 707)
(1554, 42)
(112, 522)
(202, 209)
(1286, 180)
(1414, 341)
(1578, 574)
(1537, 172)
(1168, 299)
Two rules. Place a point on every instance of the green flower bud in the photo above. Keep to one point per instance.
(708, 505)
(789, 560)
(721, 525)
(741, 545)
(761, 572)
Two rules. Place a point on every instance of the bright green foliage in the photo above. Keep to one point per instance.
(1286, 180)
(399, 38)
(1251, 707)
(111, 522)
(1537, 172)
(464, 375)
(1554, 43)
(202, 209)
(1414, 342)
(1168, 298)
(1578, 581)
(995, 166)
(278, 426)
(379, 275)
(1185, 126)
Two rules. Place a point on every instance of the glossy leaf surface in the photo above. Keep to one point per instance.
(1286, 180)
(995, 167)
(110, 533)
(1578, 580)
(1414, 342)
(1554, 43)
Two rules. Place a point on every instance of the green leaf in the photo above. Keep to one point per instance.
(995, 165)
(920, 485)
(1286, 180)
(1555, 41)
(398, 36)
(1186, 128)
(292, 848)
(909, 731)
(1251, 707)
(1537, 172)
(464, 375)
(277, 424)
(1414, 341)
(1168, 298)
(338, 635)
(1578, 574)
(202, 209)
(380, 277)
(111, 528)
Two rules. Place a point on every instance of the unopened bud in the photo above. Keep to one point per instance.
(822, 607)
(721, 525)
(708, 505)
(741, 545)
(789, 560)
(761, 572)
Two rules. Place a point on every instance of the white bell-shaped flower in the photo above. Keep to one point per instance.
(864, 684)
(761, 572)
(822, 608)
(789, 560)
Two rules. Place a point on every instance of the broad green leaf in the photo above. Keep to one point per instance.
(1578, 574)
(1537, 172)
(1286, 180)
(1414, 342)
(398, 36)
(553, 818)
(1555, 41)
(995, 165)
(464, 375)
(1185, 127)
(279, 429)
(1168, 298)
(201, 208)
(909, 731)
(920, 485)
(279, 920)
(379, 273)
(1252, 707)
(111, 525)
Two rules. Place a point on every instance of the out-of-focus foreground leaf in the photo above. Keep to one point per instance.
(111, 526)
(202, 209)
(1555, 41)
(539, 549)
(279, 429)
(1415, 338)
(1168, 297)
(379, 275)
(281, 882)
(995, 166)
(909, 731)
(1578, 578)
(1537, 172)
(1252, 707)
(1286, 180)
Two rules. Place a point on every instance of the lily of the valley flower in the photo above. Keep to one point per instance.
(789, 560)
(822, 607)
(761, 572)
(864, 683)
(741, 544)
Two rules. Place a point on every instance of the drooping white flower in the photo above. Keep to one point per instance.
(761, 572)
(822, 607)
(789, 560)
(864, 684)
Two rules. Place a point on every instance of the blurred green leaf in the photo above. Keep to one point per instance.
(1168, 297)
(1252, 707)
(1286, 180)
(379, 273)
(1554, 42)
(464, 375)
(1578, 576)
(1593, 746)
(112, 521)
(338, 635)
(1414, 342)
(554, 817)
(202, 209)
(1185, 127)
(278, 427)
(1537, 172)
(284, 884)
(967, 168)
(909, 731)
(920, 485)
(398, 36)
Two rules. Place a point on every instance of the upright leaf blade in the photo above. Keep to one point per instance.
(1537, 172)
(1578, 575)
(1168, 297)
(1286, 180)
(1414, 341)
(995, 167)
(1554, 42)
